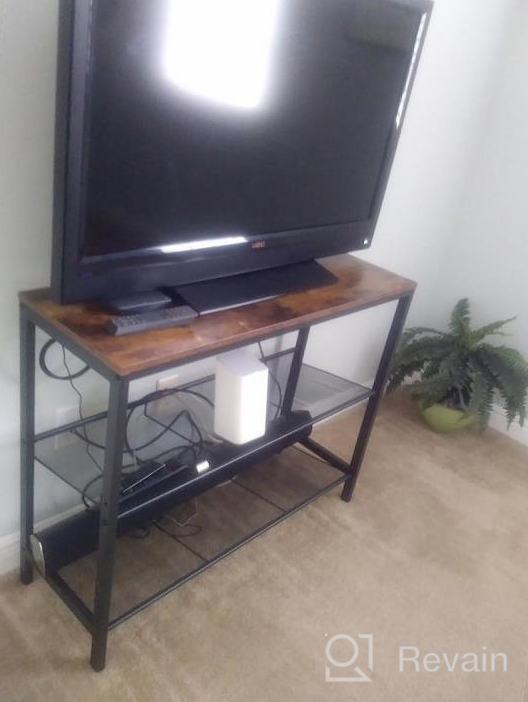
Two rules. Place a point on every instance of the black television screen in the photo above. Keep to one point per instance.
(211, 137)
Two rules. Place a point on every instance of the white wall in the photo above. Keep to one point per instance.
(488, 256)
(418, 215)
(430, 172)
(27, 50)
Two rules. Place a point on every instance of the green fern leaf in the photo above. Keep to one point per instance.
(510, 375)
(490, 330)
(409, 334)
(403, 371)
(460, 318)
(481, 403)
(431, 390)
(426, 349)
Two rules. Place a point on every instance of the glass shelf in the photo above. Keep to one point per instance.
(80, 464)
(225, 518)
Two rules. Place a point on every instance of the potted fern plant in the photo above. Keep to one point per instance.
(460, 373)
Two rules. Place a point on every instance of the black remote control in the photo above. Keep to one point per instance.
(159, 319)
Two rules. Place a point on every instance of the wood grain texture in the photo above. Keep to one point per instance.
(360, 285)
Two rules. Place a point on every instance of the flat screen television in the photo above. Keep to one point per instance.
(198, 139)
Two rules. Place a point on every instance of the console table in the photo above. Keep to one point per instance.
(79, 328)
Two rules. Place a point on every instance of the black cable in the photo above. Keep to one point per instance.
(274, 379)
(139, 533)
(91, 504)
(212, 439)
(183, 449)
(166, 428)
(170, 427)
(151, 397)
(93, 443)
(90, 442)
(172, 430)
(203, 397)
(70, 378)
(134, 465)
(195, 530)
(158, 395)
(199, 445)
(200, 442)
(194, 511)
(85, 490)
(45, 369)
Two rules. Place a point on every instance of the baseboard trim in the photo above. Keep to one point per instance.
(10, 544)
(515, 432)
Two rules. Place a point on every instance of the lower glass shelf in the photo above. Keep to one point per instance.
(218, 522)
(77, 456)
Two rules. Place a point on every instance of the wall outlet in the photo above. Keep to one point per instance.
(63, 416)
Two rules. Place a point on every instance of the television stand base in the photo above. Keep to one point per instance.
(238, 290)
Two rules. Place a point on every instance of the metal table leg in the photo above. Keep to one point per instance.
(115, 439)
(27, 447)
(382, 375)
(295, 370)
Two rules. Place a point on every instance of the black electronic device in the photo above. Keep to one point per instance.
(158, 319)
(186, 155)
(139, 302)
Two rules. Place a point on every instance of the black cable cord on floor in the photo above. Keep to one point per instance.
(274, 379)
(140, 533)
(194, 530)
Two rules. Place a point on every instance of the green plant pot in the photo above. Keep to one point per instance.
(445, 419)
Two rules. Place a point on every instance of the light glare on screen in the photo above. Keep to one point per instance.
(221, 51)
(407, 88)
(202, 244)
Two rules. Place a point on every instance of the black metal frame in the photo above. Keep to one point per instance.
(27, 443)
(99, 623)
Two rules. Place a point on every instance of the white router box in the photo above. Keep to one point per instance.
(241, 397)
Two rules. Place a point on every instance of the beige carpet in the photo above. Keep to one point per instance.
(432, 553)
